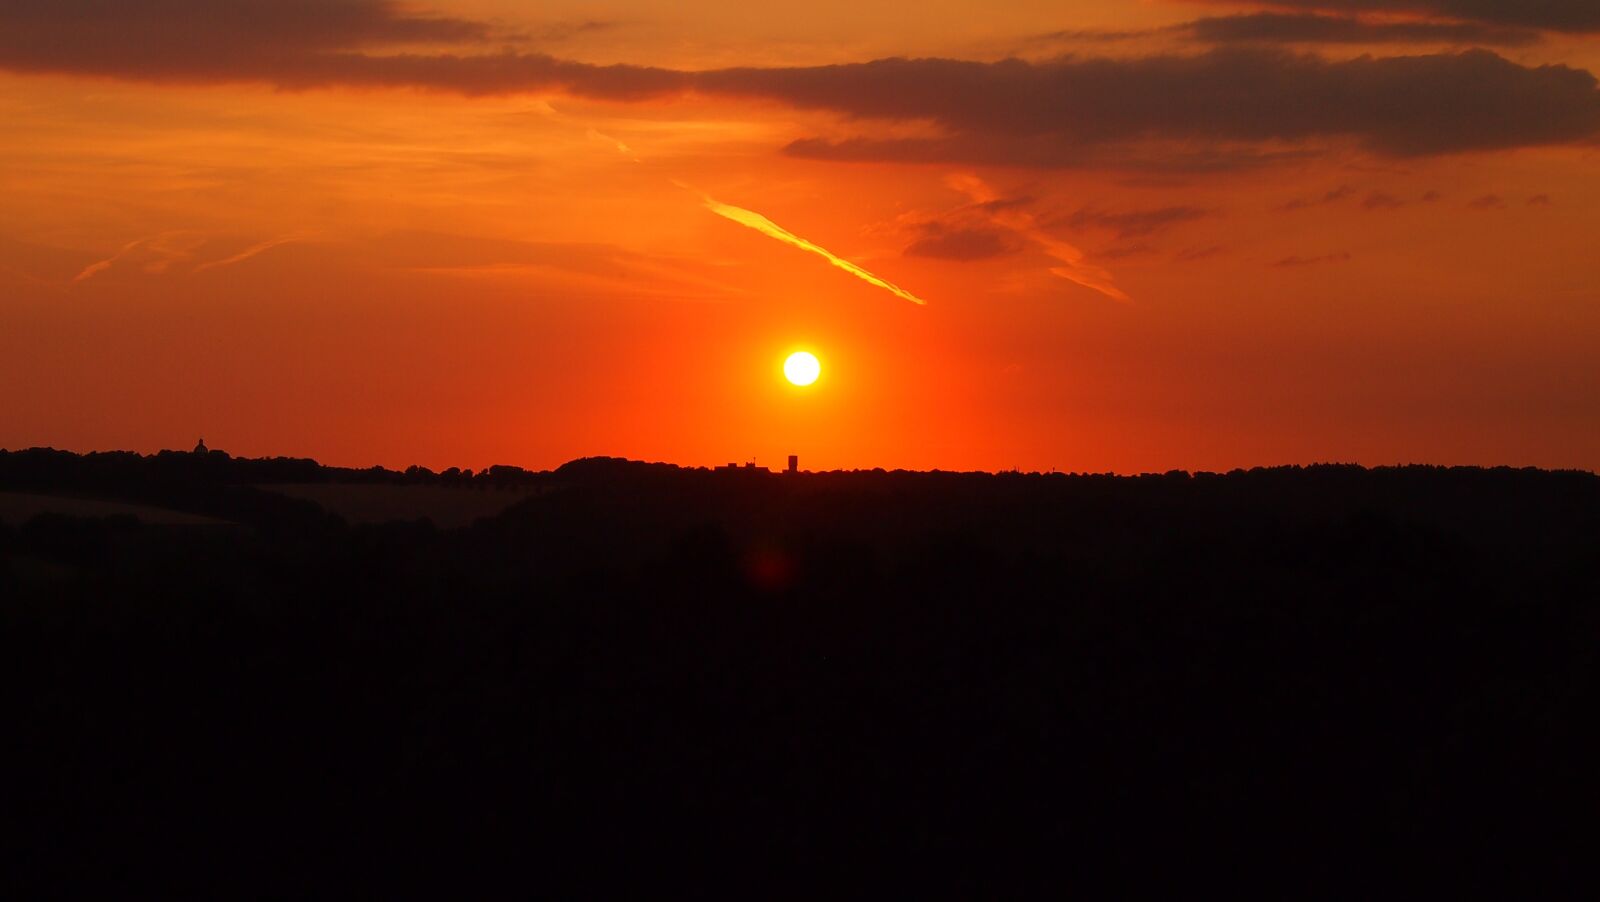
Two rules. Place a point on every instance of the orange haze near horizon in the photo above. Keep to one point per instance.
(303, 256)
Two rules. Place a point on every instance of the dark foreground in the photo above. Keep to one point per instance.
(1324, 679)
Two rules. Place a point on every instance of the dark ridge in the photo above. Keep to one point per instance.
(645, 678)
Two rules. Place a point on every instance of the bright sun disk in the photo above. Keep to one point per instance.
(802, 368)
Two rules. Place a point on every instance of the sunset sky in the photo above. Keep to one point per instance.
(1144, 234)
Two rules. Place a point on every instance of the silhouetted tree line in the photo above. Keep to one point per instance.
(1312, 680)
(125, 471)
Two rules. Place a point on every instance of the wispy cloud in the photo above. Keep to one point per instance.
(1136, 223)
(156, 254)
(159, 253)
(249, 252)
(765, 226)
(100, 266)
(942, 242)
(1074, 263)
(1332, 197)
(621, 147)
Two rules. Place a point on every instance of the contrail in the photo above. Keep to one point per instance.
(248, 252)
(765, 226)
(167, 247)
(102, 265)
(621, 147)
(771, 229)
(1073, 268)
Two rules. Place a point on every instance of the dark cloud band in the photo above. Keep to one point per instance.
(1218, 110)
(1066, 111)
(1552, 15)
(1308, 28)
(138, 34)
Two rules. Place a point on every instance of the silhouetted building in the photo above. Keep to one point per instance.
(749, 467)
(794, 463)
(200, 447)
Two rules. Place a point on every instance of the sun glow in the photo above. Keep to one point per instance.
(802, 368)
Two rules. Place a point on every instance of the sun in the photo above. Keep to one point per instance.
(802, 368)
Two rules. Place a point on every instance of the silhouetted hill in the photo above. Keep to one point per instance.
(123, 471)
(1307, 680)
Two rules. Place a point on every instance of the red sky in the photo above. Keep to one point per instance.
(1149, 233)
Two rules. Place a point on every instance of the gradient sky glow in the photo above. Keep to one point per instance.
(1150, 234)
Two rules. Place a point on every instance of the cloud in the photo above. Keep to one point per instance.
(1097, 35)
(617, 144)
(100, 266)
(1228, 101)
(1045, 151)
(1228, 108)
(154, 254)
(1307, 28)
(149, 38)
(1540, 200)
(754, 220)
(1292, 262)
(1487, 202)
(1135, 223)
(1331, 197)
(991, 225)
(979, 243)
(249, 252)
(1280, 28)
(158, 254)
(1377, 200)
(295, 44)
(1553, 15)
(1072, 263)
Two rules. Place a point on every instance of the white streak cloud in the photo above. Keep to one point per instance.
(765, 226)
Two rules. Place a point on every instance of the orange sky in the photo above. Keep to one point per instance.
(447, 233)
